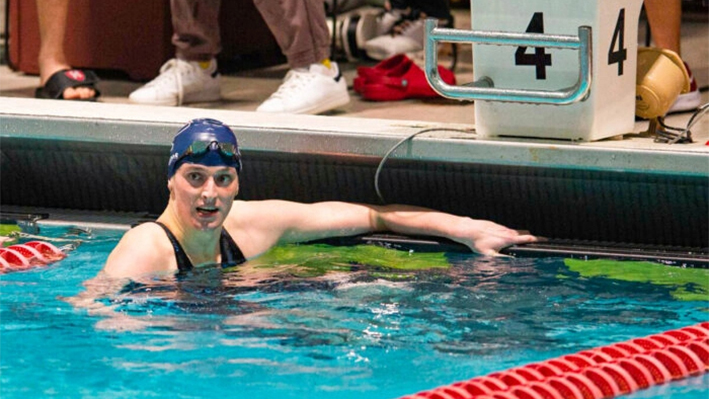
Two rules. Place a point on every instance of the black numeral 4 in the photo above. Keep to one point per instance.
(618, 56)
(539, 58)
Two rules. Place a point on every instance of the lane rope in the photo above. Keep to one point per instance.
(28, 255)
(603, 372)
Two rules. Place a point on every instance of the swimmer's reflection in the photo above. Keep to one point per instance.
(172, 301)
(176, 301)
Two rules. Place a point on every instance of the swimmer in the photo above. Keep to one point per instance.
(203, 224)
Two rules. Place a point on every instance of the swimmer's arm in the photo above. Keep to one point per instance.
(296, 222)
(256, 226)
(481, 236)
(139, 252)
(92, 301)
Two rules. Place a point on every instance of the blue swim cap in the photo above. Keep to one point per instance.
(207, 142)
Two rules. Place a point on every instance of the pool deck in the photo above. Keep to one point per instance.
(456, 142)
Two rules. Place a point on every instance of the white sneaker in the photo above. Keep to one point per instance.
(385, 46)
(309, 91)
(180, 82)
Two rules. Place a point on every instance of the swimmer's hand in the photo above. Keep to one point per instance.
(489, 238)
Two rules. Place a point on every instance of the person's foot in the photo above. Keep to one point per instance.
(314, 90)
(181, 82)
(69, 93)
(690, 100)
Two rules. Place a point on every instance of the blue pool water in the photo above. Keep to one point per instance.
(363, 332)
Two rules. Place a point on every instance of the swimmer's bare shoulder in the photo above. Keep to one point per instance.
(252, 225)
(144, 249)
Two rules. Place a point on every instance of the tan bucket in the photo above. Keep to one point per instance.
(661, 77)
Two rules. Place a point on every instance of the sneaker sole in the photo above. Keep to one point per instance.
(329, 104)
(324, 106)
(172, 102)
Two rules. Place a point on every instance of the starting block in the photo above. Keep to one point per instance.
(557, 69)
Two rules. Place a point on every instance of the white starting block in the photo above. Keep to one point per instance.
(559, 69)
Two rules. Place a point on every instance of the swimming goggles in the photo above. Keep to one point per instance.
(199, 148)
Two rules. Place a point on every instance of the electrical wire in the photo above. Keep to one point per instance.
(402, 141)
(676, 135)
(700, 112)
(665, 134)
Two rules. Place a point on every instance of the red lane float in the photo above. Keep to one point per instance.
(32, 255)
(47, 249)
(28, 255)
(14, 259)
(604, 372)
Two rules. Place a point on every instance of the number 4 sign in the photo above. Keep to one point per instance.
(532, 65)
(540, 59)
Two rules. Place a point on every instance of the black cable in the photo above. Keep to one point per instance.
(402, 141)
(676, 135)
(6, 46)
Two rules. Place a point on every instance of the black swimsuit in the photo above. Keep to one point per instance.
(231, 254)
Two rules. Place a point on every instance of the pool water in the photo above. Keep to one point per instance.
(293, 329)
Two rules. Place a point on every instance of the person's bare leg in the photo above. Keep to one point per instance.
(52, 16)
(665, 18)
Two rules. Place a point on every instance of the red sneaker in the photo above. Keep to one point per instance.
(690, 100)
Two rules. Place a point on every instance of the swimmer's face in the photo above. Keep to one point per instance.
(204, 195)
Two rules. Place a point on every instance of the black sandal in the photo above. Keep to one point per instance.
(66, 78)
